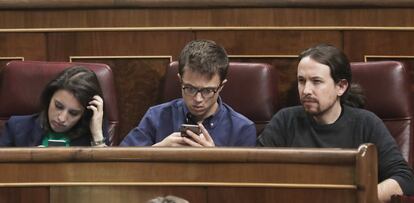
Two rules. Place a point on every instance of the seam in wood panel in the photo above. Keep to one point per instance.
(201, 184)
(366, 57)
(121, 57)
(12, 58)
(262, 56)
(282, 28)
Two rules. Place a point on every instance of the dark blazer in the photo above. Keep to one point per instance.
(26, 131)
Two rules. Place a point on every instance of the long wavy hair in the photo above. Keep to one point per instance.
(83, 84)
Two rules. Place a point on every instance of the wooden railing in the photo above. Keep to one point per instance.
(22, 4)
(199, 175)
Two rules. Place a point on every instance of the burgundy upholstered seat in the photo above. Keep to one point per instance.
(386, 86)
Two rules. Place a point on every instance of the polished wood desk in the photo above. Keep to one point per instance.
(200, 175)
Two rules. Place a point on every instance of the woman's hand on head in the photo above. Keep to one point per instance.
(96, 105)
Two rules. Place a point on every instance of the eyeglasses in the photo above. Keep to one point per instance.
(207, 92)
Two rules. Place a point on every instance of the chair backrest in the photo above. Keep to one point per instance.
(386, 85)
(21, 84)
(250, 90)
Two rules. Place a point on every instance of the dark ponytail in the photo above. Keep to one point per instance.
(355, 97)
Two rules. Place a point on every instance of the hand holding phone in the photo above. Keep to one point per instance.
(203, 140)
(193, 128)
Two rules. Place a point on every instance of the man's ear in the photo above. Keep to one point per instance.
(222, 84)
(342, 86)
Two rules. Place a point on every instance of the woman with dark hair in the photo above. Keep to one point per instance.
(71, 114)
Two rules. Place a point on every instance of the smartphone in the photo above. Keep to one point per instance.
(193, 128)
(56, 143)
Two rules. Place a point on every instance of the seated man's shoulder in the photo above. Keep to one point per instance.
(362, 114)
(167, 106)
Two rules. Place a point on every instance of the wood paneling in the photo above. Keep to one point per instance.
(31, 46)
(192, 17)
(200, 3)
(148, 43)
(88, 194)
(24, 194)
(287, 42)
(357, 44)
(270, 195)
(121, 174)
(199, 195)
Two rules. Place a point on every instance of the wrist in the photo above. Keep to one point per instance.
(98, 142)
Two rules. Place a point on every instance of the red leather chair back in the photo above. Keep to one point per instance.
(250, 90)
(21, 84)
(386, 86)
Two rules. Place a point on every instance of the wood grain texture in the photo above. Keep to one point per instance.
(200, 3)
(270, 195)
(190, 165)
(213, 17)
(24, 194)
(151, 43)
(203, 175)
(186, 154)
(357, 44)
(87, 194)
(30, 46)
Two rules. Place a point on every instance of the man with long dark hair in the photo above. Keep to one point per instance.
(328, 118)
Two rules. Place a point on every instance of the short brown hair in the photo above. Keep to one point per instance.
(205, 57)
